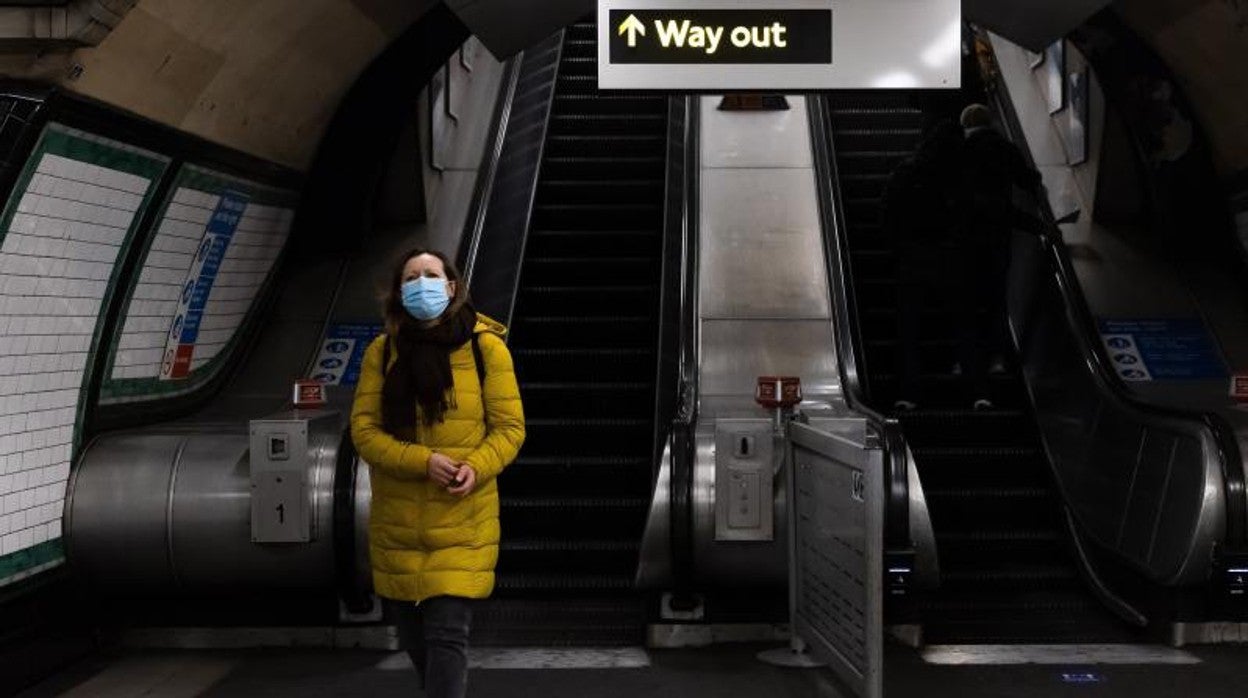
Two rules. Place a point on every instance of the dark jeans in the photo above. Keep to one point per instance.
(924, 277)
(984, 327)
(969, 282)
(435, 635)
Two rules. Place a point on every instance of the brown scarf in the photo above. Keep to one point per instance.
(421, 374)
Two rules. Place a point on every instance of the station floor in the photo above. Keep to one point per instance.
(722, 671)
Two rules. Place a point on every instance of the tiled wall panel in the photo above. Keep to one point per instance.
(73, 210)
(215, 246)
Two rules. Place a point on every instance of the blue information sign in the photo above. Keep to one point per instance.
(1161, 349)
(342, 351)
(217, 238)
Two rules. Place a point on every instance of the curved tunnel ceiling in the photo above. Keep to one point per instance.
(266, 77)
(1205, 45)
(261, 77)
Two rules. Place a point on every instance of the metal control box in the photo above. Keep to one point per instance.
(280, 462)
(745, 466)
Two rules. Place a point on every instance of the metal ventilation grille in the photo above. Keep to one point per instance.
(832, 591)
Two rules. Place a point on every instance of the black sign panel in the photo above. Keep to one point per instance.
(721, 36)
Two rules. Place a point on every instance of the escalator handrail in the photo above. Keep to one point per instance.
(689, 284)
(1084, 326)
(847, 333)
(475, 221)
(685, 417)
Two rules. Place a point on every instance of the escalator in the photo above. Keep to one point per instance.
(1008, 570)
(583, 336)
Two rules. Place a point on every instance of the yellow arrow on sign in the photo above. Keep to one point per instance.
(633, 26)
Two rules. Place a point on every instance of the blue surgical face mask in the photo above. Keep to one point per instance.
(425, 298)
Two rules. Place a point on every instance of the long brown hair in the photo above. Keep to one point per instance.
(421, 373)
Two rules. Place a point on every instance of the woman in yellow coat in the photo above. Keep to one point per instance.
(436, 427)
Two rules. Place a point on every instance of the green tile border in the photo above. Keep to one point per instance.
(14, 564)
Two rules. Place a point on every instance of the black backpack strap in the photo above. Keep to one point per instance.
(385, 354)
(479, 359)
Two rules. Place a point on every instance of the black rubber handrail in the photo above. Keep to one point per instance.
(1084, 327)
(847, 331)
(685, 418)
(507, 206)
(470, 242)
(672, 273)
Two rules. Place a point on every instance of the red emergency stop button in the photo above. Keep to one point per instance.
(778, 391)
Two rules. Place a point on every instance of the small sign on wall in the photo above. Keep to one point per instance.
(342, 352)
(184, 329)
(1161, 349)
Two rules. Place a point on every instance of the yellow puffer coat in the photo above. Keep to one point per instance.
(424, 541)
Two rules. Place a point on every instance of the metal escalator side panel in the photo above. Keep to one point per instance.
(509, 208)
(1116, 458)
(654, 565)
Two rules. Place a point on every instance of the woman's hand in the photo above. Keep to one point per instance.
(442, 469)
(464, 481)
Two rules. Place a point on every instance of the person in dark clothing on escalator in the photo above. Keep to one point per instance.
(921, 214)
(991, 168)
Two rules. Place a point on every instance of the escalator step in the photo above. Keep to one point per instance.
(877, 139)
(571, 518)
(628, 216)
(983, 537)
(865, 161)
(584, 300)
(598, 398)
(968, 467)
(959, 508)
(595, 477)
(886, 117)
(588, 437)
(593, 244)
(608, 103)
(648, 191)
(600, 167)
(574, 65)
(538, 556)
(1003, 549)
(864, 186)
(581, 31)
(563, 584)
(955, 415)
(1012, 575)
(618, 331)
(876, 99)
(951, 427)
(577, 83)
(870, 209)
(964, 452)
(574, 124)
(560, 622)
(605, 270)
(581, 364)
(605, 145)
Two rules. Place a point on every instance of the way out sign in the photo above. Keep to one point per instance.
(778, 44)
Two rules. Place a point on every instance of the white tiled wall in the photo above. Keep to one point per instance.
(254, 247)
(55, 262)
(257, 241)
